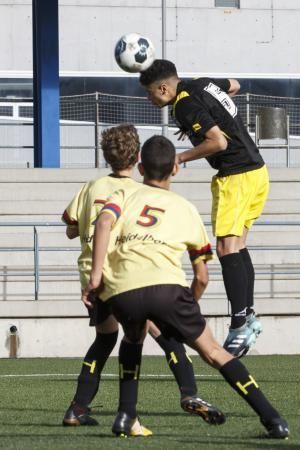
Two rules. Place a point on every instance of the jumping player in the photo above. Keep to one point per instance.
(152, 229)
(120, 147)
(205, 112)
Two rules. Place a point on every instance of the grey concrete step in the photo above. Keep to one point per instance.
(56, 217)
(48, 191)
(55, 236)
(20, 191)
(75, 308)
(267, 255)
(195, 175)
(56, 207)
(200, 191)
(41, 195)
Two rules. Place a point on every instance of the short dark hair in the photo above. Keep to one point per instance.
(159, 70)
(158, 157)
(120, 146)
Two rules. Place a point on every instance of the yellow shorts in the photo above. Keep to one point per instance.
(238, 200)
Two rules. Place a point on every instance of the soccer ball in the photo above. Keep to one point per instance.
(134, 53)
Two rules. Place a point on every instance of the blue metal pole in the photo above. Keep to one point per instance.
(46, 83)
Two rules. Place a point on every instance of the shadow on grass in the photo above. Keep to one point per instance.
(256, 441)
(53, 436)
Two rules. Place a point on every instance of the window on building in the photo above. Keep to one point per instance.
(227, 3)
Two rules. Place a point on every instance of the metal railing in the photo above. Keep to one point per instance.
(98, 111)
(36, 273)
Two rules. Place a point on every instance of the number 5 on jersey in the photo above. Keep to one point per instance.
(150, 216)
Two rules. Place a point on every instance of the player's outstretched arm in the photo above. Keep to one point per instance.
(214, 142)
(200, 280)
(100, 245)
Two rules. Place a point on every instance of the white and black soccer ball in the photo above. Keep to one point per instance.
(134, 53)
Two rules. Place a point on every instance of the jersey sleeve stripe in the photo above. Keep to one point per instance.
(67, 219)
(112, 208)
(205, 252)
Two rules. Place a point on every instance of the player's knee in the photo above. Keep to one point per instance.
(110, 325)
(135, 335)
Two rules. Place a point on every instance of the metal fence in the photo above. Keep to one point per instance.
(38, 271)
(83, 117)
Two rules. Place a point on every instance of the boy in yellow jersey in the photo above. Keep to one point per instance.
(120, 148)
(152, 228)
(205, 112)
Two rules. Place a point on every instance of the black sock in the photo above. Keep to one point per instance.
(180, 364)
(94, 361)
(235, 281)
(236, 374)
(250, 279)
(130, 357)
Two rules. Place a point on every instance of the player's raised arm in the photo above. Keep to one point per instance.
(234, 87)
(214, 142)
(228, 85)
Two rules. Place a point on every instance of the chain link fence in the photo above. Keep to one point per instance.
(83, 117)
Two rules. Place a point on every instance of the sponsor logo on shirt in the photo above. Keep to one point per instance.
(196, 127)
(138, 237)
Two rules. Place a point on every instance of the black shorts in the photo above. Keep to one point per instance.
(100, 312)
(170, 306)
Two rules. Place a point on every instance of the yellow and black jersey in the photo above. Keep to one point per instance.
(204, 103)
(153, 228)
(84, 210)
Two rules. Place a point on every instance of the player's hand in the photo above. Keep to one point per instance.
(182, 135)
(89, 295)
(72, 231)
(178, 159)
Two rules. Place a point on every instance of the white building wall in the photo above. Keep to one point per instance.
(261, 37)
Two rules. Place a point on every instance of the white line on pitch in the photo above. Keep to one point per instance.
(105, 375)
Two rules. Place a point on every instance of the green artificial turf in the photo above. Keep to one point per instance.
(32, 407)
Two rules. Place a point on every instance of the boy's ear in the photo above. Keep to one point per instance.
(162, 88)
(141, 169)
(175, 169)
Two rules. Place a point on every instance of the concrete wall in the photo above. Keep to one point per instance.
(260, 37)
(78, 146)
(44, 337)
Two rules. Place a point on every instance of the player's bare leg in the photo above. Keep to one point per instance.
(241, 381)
